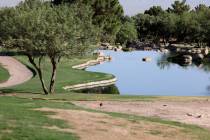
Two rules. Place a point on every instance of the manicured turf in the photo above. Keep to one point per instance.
(4, 75)
(19, 120)
(65, 76)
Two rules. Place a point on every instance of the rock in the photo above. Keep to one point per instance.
(101, 54)
(188, 114)
(147, 59)
(109, 58)
(199, 116)
(106, 46)
(164, 50)
(187, 58)
(206, 51)
(189, 51)
(110, 47)
(199, 56)
(178, 49)
(198, 51)
(119, 47)
(116, 49)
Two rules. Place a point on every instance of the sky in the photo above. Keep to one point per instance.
(131, 7)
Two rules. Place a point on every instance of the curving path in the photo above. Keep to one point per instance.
(19, 73)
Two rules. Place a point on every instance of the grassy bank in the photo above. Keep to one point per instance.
(20, 120)
(4, 75)
(66, 75)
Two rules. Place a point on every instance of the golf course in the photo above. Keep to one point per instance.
(68, 115)
(104, 70)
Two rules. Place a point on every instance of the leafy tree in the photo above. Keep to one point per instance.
(201, 7)
(154, 11)
(106, 15)
(127, 32)
(202, 15)
(179, 7)
(41, 30)
(166, 26)
(143, 25)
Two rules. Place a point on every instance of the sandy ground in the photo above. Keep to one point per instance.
(19, 73)
(99, 126)
(190, 112)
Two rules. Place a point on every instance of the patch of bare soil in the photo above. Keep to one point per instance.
(192, 112)
(99, 126)
(19, 73)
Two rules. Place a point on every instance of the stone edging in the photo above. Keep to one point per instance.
(91, 84)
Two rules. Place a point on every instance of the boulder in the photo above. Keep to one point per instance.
(199, 56)
(147, 59)
(206, 51)
(187, 58)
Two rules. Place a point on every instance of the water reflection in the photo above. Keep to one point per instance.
(158, 77)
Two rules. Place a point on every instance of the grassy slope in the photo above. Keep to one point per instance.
(19, 120)
(65, 76)
(4, 75)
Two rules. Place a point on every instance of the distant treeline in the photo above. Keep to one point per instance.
(179, 23)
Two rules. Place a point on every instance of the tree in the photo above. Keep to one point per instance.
(201, 7)
(179, 7)
(41, 30)
(106, 15)
(166, 26)
(144, 25)
(127, 31)
(154, 11)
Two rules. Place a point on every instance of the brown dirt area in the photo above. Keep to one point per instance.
(191, 112)
(100, 126)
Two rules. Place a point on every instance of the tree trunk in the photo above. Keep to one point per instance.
(42, 82)
(38, 69)
(53, 76)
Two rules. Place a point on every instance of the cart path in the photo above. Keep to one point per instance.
(19, 73)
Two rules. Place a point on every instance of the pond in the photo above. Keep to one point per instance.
(157, 77)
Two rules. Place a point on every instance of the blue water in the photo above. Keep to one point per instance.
(136, 77)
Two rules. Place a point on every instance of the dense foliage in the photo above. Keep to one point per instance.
(106, 15)
(177, 24)
(127, 31)
(41, 30)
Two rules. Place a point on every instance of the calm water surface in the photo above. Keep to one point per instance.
(157, 77)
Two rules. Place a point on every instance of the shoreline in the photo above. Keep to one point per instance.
(95, 84)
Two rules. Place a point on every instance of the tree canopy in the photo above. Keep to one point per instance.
(127, 31)
(178, 23)
(40, 30)
(179, 7)
(106, 15)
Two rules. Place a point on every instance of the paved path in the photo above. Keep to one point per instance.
(19, 73)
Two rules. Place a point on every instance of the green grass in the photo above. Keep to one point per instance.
(87, 97)
(65, 76)
(19, 121)
(4, 75)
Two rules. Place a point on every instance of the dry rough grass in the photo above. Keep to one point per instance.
(191, 112)
(99, 126)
